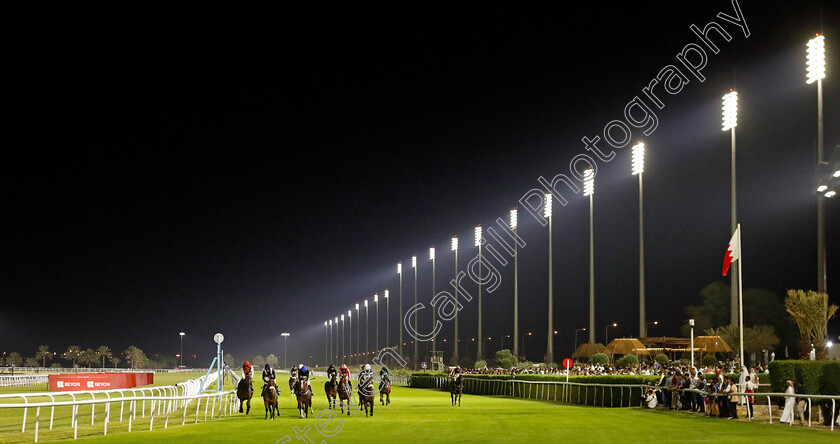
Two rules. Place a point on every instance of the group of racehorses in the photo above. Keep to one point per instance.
(332, 388)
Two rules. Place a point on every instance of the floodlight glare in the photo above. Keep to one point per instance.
(836, 173)
(638, 158)
(336, 320)
(514, 218)
(830, 194)
(547, 206)
(730, 110)
(325, 323)
(349, 313)
(454, 243)
(330, 322)
(376, 297)
(414, 261)
(357, 306)
(399, 267)
(365, 303)
(386, 293)
(816, 59)
(821, 188)
(432, 253)
(342, 317)
(588, 182)
(478, 235)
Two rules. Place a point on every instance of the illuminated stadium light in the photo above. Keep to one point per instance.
(638, 158)
(432, 253)
(547, 206)
(514, 218)
(730, 110)
(816, 59)
(454, 243)
(588, 182)
(399, 267)
(478, 235)
(414, 261)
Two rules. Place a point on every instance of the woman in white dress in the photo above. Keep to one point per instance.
(787, 413)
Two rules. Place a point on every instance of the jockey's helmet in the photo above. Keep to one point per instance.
(303, 368)
(267, 367)
(366, 367)
(300, 367)
(343, 367)
(246, 364)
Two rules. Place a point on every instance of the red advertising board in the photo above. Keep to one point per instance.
(99, 381)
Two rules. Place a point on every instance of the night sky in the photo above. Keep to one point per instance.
(254, 170)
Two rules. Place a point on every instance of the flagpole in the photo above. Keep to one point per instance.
(741, 295)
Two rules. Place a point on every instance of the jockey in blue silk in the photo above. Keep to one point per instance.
(303, 377)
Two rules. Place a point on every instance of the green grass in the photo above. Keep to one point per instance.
(421, 415)
(11, 419)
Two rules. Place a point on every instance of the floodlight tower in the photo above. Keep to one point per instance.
(400, 345)
(455, 344)
(350, 332)
(589, 190)
(358, 335)
(480, 352)
(367, 326)
(434, 312)
(387, 319)
(514, 223)
(730, 121)
(416, 352)
(637, 169)
(550, 344)
(816, 72)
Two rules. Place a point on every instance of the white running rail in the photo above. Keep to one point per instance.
(162, 400)
(23, 380)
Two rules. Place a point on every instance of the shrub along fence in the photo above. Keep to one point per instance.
(604, 391)
(818, 377)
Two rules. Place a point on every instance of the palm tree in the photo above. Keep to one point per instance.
(89, 357)
(43, 354)
(105, 352)
(73, 353)
(811, 312)
(115, 360)
(756, 338)
(135, 356)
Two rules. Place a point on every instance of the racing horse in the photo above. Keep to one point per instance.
(292, 381)
(344, 393)
(331, 390)
(244, 393)
(270, 395)
(304, 397)
(385, 389)
(366, 394)
(456, 388)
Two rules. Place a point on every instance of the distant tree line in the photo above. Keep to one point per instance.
(75, 356)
